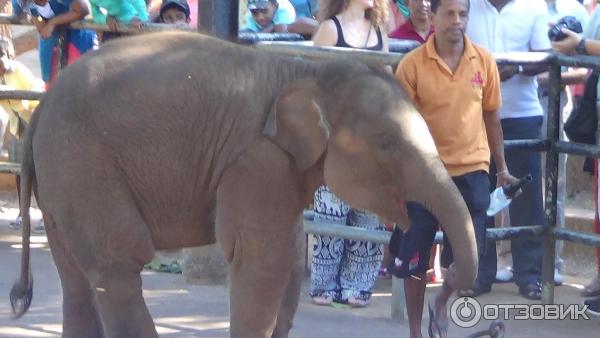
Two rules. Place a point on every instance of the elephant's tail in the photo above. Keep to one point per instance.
(22, 291)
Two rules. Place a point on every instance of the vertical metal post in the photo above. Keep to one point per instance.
(551, 190)
(398, 299)
(219, 18)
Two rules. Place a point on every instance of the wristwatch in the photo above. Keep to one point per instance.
(580, 49)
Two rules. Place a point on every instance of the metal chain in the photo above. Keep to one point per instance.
(496, 330)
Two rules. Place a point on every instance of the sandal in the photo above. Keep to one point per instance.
(532, 291)
(475, 291)
(322, 300)
(592, 289)
(436, 329)
(357, 302)
(361, 300)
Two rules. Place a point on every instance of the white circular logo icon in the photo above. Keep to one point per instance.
(465, 312)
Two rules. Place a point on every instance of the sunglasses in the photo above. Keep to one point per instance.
(259, 11)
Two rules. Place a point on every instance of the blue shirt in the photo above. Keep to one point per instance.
(284, 15)
(307, 8)
(82, 39)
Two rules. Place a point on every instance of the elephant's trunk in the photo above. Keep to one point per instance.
(427, 181)
(445, 201)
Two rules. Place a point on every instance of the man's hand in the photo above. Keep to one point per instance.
(38, 23)
(47, 29)
(507, 71)
(304, 25)
(136, 23)
(280, 28)
(568, 44)
(112, 23)
(504, 177)
(268, 29)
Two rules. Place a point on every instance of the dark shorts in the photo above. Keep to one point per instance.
(411, 249)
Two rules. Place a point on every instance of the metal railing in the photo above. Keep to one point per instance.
(552, 146)
(146, 27)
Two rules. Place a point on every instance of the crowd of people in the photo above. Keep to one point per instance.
(509, 102)
(497, 26)
(484, 104)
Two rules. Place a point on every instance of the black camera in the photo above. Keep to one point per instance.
(568, 22)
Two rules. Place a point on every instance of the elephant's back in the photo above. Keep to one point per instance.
(168, 112)
(175, 92)
(154, 76)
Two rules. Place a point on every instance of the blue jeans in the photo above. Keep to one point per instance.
(527, 209)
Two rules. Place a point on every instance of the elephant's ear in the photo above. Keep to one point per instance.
(297, 124)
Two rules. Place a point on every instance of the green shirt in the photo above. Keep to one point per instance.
(122, 10)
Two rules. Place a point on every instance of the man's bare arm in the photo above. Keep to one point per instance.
(496, 144)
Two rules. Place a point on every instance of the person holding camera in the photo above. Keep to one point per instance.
(504, 26)
(570, 13)
(586, 44)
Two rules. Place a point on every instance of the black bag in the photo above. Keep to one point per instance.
(583, 121)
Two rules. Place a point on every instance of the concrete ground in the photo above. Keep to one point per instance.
(182, 310)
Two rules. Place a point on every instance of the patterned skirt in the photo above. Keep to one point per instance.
(343, 268)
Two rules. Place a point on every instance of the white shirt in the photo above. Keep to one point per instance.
(561, 8)
(45, 11)
(592, 31)
(521, 26)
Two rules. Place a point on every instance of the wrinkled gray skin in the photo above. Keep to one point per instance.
(173, 139)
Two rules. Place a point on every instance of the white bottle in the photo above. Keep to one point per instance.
(502, 196)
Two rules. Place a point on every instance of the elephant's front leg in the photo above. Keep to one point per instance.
(289, 303)
(257, 227)
(259, 279)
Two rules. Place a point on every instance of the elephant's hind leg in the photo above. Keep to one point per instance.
(80, 318)
(117, 281)
(124, 313)
(110, 241)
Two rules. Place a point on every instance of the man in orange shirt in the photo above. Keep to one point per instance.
(456, 87)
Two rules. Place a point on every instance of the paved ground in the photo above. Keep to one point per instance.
(182, 310)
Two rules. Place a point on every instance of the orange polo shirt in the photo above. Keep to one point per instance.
(453, 104)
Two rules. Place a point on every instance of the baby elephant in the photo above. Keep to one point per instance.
(174, 140)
